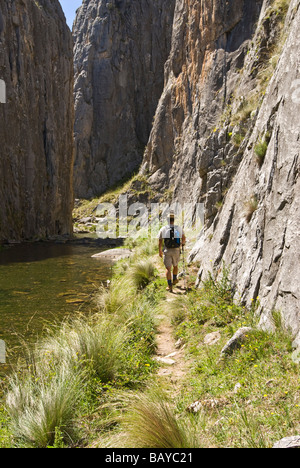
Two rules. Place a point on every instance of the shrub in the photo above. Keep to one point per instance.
(260, 151)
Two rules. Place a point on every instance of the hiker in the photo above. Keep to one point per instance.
(173, 239)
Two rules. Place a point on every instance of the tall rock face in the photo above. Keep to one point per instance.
(36, 132)
(120, 48)
(257, 229)
(226, 134)
(210, 44)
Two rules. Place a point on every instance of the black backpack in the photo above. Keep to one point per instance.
(172, 239)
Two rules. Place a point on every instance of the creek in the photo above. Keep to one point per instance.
(42, 284)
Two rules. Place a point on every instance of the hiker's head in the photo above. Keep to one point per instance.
(172, 217)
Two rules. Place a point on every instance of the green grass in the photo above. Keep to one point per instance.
(151, 422)
(261, 148)
(79, 364)
(92, 381)
(250, 398)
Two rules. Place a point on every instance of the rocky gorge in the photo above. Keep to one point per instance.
(201, 97)
(189, 101)
(224, 134)
(120, 48)
(228, 114)
(209, 89)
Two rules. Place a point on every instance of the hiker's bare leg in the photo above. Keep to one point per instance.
(169, 278)
(175, 273)
(169, 274)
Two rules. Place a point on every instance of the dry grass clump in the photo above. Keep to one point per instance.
(151, 422)
(40, 404)
(250, 208)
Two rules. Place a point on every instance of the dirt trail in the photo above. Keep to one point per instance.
(175, 366)
(170, 355)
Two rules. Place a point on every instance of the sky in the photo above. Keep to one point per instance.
(70, 7)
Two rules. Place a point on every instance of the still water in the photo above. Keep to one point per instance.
(42, 284)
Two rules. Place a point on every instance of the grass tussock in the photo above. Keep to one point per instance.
(142, 273)
(81, 343)
(41, 403)
(151, 422)
(260, 151)
(250, 207)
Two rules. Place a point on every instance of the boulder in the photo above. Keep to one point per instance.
(288, 443)
(113, 254)
(236, 341)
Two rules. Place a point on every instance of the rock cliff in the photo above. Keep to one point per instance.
(120, 48)
(36, 133)
(226, 134)
(256, 231)
(210, 45)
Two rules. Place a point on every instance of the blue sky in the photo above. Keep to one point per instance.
(70, 7)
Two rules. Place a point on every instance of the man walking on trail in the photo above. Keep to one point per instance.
(171, 239)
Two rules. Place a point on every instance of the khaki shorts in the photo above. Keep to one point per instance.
(171, 257)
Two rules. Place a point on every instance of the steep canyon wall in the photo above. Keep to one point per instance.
(120, 48)
(226, 134)
(36, 132)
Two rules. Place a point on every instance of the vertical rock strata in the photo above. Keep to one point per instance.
(36, 132)
(226, 134)
(262, 241)
(209, 48)
(120, 50)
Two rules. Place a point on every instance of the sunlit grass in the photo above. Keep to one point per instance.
(40, 403)
(151, 422)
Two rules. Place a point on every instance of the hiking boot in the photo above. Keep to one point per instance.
(175, 282)
(170, 288)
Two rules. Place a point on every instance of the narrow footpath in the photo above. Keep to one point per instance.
(170, 353)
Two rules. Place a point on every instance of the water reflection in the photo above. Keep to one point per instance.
(42, 283)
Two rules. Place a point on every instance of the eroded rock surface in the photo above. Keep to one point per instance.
(226, 134)
(120, 50)
(36, 132)
(263, 249)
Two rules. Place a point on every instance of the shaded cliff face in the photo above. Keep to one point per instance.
(36, 133)
(120, 50)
